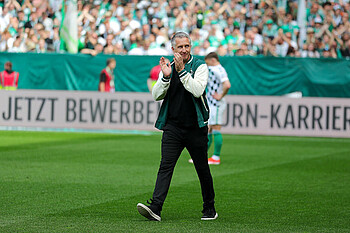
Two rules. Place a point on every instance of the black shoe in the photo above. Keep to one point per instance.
(209, 214)
(151, 212)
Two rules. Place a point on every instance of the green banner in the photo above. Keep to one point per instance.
(248, 75)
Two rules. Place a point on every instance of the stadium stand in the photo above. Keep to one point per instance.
(232, 28)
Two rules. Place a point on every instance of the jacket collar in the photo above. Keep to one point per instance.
(191, 58)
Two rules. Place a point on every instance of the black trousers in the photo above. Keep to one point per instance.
(174, 140)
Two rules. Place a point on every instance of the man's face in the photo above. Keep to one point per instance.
(208, 62)
(183, 47)
(112, 65)
(326, 54)
(20, 15)
(345, 17)
(7, 66)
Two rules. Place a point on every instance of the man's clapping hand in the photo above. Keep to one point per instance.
(179, 62)
(165, 66)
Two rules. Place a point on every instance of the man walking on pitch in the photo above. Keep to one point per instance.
(183, 118)
(218, 86)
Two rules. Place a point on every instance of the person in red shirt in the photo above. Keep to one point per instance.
(107, 77)
(9, 78)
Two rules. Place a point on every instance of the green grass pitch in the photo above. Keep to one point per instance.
(91, 182)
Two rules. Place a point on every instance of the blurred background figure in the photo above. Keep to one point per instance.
(107, 77)
(217, 87)
(9, 78)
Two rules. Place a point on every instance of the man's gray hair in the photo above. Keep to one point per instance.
(179, 35)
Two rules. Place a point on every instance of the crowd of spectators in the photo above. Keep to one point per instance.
(231, 28)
